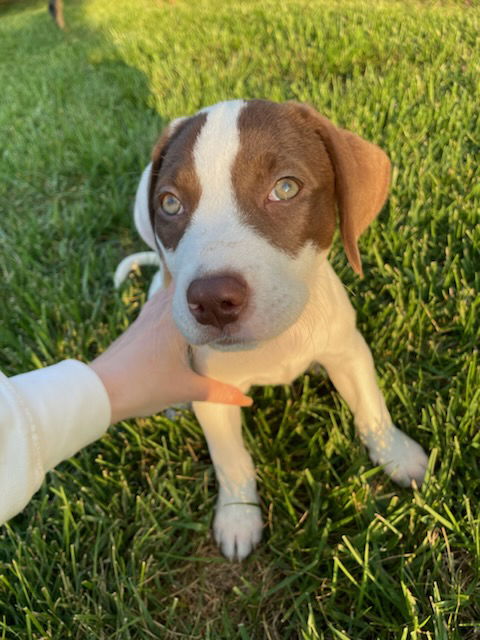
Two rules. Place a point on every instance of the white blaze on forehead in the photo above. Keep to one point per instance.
(214, 153)
(215, 224)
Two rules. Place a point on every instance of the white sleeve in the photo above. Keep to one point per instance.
(45, 417)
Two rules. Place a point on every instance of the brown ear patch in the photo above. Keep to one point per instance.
(274, 144)
(362, 178)
(338, 170)
(173, 171)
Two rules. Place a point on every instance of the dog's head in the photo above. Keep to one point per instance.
(243, 200)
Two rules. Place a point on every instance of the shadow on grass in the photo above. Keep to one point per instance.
(76, 131)
(8, 7)
(66, 93)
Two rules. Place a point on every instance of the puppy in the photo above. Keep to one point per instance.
(240, 202)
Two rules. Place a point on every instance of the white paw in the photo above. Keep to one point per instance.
(402, 458)
(237, 526)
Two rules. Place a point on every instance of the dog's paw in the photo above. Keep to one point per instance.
(402, 458)
(237, 527)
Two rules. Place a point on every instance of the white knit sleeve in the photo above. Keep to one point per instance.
(45, 417)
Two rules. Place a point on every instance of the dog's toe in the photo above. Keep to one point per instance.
(403, 459)
(237, 529)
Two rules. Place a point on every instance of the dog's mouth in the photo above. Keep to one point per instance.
(255, 326)
(231, 343)
(233, 337)
(230, 338)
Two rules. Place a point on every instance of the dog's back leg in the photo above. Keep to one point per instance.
(238, 522)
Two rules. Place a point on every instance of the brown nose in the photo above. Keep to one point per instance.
(217, 300)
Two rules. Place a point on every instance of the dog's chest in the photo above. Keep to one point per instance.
(274, 363)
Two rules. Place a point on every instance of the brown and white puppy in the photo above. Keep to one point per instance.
(241, 202)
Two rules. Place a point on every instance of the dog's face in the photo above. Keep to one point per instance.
(243, 199)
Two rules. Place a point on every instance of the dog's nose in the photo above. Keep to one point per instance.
(217, 300)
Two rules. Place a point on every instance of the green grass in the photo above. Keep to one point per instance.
(117, 542)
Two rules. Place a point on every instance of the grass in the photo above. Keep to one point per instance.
(117, 542)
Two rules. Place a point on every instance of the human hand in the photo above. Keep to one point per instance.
(146, 369)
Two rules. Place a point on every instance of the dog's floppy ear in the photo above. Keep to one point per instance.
(362, 178)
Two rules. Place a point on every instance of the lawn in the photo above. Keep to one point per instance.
(117, 543)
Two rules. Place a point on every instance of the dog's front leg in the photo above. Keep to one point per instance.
(351, 369)
(238, 522)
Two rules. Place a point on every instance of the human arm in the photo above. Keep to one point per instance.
(48, 415)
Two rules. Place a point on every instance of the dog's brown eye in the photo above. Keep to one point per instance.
(170, 204)
(284, 189)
